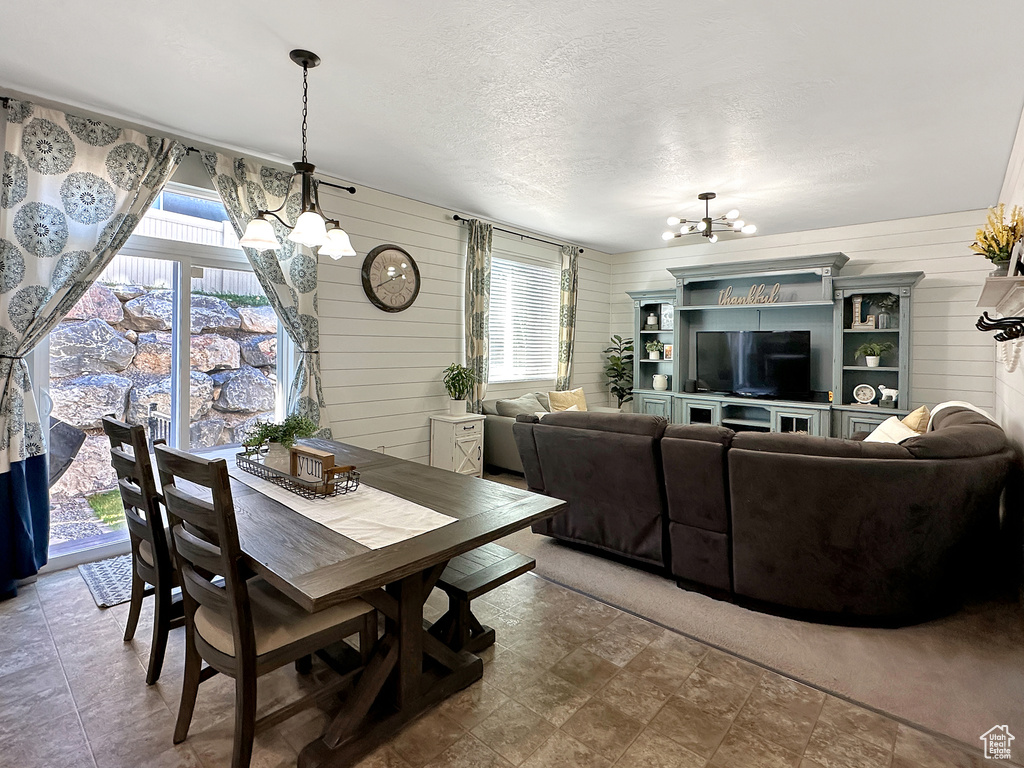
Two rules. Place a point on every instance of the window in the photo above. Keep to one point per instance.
(524, 321)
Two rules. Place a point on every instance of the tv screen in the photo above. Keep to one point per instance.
(755, 363)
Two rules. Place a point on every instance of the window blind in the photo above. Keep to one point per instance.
(523, 321)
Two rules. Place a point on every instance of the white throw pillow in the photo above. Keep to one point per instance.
(892, 430)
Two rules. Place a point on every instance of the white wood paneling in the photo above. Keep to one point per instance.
(382, 372)
(952, 360)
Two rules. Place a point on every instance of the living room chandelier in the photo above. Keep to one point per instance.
(312, 228)
(708, 227)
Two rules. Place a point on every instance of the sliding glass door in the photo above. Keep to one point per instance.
(176, 335)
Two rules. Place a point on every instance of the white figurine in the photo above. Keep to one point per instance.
(888, 392)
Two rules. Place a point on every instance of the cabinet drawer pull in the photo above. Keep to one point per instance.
(470, 426)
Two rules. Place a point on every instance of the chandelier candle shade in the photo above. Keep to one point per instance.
(312, 227)
(708, 227)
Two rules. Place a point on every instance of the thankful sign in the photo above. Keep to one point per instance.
(758, 294)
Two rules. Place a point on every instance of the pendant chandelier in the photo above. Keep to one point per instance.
(312, 228)
(708, 227)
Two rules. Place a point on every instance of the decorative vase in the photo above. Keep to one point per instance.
(278, 457)
(1002, 269)
(872, 360)
(457, 407)
(654, 355)
(652, 322)
(884, 319)
(660, 382)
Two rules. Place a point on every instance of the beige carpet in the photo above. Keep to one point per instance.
(958, 676)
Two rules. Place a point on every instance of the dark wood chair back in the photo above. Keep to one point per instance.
(129, 455)
(206, 546)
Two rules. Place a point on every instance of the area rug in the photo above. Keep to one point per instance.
(109, 581)
(957, 676)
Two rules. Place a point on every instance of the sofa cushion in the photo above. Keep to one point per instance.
(958, 432)
(623, 423)
(705, 432)
(562, 400)
(489, 407)
(527, 403)
(918, 420)
(777, 442)
(892, 430)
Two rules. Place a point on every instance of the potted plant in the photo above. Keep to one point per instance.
(873, 351)
(618, 368)
(459, 381)
(995, 240)
(654, 349)
(274, 441)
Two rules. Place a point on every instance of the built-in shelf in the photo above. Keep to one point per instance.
(778, 305)
(996, 289)
(869, 368)
(871, 330)
(648, 360)
(663, 330)
(747, 422)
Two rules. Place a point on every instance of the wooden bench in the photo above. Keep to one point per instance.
(465, 578)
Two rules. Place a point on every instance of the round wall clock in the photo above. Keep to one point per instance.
(391, 279)
(864, 393)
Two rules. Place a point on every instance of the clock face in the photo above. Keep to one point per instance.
(391, 279)
(864, 393)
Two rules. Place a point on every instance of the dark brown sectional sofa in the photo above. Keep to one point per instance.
(825, 526)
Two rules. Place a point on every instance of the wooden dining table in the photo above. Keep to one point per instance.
(409, 669)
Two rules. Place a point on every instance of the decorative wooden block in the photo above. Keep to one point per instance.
(311, 464)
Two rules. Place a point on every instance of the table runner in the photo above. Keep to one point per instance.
(370, 516)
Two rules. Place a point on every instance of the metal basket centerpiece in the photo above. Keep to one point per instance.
(336, 482)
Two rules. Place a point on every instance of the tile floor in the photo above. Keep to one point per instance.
(571, 682)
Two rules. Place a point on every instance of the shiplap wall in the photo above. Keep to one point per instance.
(1009, 385)
(951, 359)
(381, 371)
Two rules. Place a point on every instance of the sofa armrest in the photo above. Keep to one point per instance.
(499, 444)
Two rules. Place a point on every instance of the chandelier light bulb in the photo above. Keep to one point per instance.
(259, 235)
(338, 244)
(749, 229)
(667, 235)
(733, 214)
(738, 224)
(713, 238)
(674, 221)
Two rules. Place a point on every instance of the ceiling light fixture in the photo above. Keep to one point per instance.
(312, 227)
(708, 227)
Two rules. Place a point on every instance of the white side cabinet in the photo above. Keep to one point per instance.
(457, 443)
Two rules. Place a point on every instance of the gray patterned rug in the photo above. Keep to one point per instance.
(110, 581)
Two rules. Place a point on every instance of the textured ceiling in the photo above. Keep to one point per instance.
(591, 121)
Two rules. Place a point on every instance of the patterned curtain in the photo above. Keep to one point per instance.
(288, 275)
(567, 314)
(73, 191)
(478, 305)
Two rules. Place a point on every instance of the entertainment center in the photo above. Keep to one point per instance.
(714, 309)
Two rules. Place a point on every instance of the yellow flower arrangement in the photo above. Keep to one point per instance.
(996, 239)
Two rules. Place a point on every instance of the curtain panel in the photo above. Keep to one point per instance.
(567, 314)
(288, 276)
(73, 191)
(478, 307)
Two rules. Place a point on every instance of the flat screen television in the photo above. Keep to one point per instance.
(770, 364)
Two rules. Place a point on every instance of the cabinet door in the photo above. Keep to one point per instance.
(861, 422)
(795, 420)
(702, 413)
(469, 454)
(656, 406)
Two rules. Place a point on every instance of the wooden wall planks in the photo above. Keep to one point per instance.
(382, 372)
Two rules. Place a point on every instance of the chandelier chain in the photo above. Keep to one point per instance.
(305, 107)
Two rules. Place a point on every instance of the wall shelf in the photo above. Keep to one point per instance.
(996, 289)
(891, 368)
(747, 422)
(871, 330)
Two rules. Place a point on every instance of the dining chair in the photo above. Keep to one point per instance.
(151, 556)
(241, 626)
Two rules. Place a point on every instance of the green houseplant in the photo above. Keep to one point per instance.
(654, 349)
(618, 369)
(458, 381)
(872, 351)
(274, 441)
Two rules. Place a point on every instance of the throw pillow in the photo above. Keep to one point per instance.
(892, 430)
(560, 401)
(918, 420)
(524, 404)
